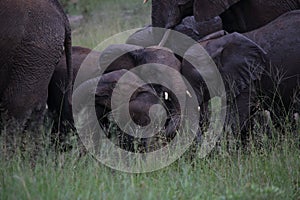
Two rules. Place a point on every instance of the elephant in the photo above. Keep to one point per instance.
(148, 64)
(137, 56)
(197, 30)
(280, 83)
(166, 78)
(88, 64)
(82, 57)
(260, 63)
(188, 26)
(236, 15)
(240, 62)
(139, 105)
(33, 36)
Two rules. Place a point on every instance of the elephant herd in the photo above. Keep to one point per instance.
(255, 46)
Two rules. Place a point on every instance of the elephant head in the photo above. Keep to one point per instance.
(153, 64)
(167, 14)
(240, 62)
(132, 103)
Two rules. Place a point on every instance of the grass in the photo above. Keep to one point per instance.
(273, 174)
(269, 172)
(108, 18)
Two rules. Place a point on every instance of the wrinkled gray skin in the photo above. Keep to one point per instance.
(148, 36)
(198, 30)
(81, 57)
(136, 56)
(33, 36)
(87, 61)
(237, 15)
(280, 39)
(240, 62)
(244, 65)
(139, 105)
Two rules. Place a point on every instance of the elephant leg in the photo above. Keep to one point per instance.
(27, 90)
(23, 113)
(241, 112)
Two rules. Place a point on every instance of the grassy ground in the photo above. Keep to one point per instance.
(264, 174)
(269, 172)
(110, 17)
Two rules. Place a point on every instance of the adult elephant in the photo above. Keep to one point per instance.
(240, 62)
(260, 63)
(280, 84)
(33, 36)
(237, 15)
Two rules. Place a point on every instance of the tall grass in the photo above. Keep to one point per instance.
(108, 17)
(271, 171)
(268, 174)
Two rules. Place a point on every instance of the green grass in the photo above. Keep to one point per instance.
(272, 174)
(269, 172)
(108, 18)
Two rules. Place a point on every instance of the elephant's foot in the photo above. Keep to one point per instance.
(23, 135)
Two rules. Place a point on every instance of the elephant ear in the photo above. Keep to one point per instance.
(117, 57)
(239, 59)
(207, 9)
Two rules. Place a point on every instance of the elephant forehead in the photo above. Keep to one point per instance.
(161, 56)
(145, 92)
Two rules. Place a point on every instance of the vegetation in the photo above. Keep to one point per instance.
(268, 173)
(270, 169)
(105, 18)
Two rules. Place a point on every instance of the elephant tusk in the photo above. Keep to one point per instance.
(189, 94)
(165, 38)
(145, 1)
(166, 95)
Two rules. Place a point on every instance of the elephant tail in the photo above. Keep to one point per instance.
(67, 48)
(68, 53)
(66, 115)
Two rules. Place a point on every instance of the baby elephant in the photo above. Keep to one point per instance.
(87, 68)
(63, 118)
(135, 111)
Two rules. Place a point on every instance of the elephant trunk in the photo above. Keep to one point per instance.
(172, 126)
(174, 18)
(178, 11)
